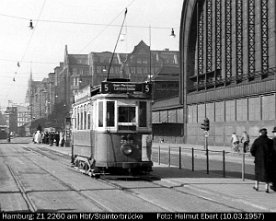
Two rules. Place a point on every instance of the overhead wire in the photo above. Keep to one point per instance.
(83, 23)
(27, 47)
(106, 26)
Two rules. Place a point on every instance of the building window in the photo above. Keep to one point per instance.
(230, 111)
(201, 112)
(219, 110)
(268, 107)
(192, 114)
(155, 117)
(163, 116)
(254, 109)
(242, 110)
(210, 111)
(172, 116)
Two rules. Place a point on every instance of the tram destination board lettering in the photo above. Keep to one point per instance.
(125, 87)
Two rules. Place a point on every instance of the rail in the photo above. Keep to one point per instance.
(225, 163)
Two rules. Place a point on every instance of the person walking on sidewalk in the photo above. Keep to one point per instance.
(245, 140)
(273, 187)
(261, 149)
(57, 138)
(235, 142)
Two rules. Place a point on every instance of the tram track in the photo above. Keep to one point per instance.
(129, 190)
(125, 190)
(31, 206)
(70, 188)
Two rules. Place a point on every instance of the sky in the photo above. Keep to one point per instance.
(84, 26)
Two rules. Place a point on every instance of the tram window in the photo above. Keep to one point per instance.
(88, 121)
(85, 120)
(126, 114)
(78, 123)
(81, 127)
(142, 114)
(110, 114)
(100, 114)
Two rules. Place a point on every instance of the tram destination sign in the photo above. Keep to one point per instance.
(125, 87)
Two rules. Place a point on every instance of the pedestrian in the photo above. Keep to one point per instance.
(46, 137)
(245, 140)
(37, 137)
(61, 139)
(235, 142)
(51, 138)
(57, 138)
(261, 149)
(273, 175)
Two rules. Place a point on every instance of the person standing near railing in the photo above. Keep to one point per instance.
(261, 149)
(235, 142)
(273, 187)
(245, 140)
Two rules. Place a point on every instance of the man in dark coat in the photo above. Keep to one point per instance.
(273, 187)
(261, 149)
(57, 138)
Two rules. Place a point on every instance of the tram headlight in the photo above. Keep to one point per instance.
(127, 149)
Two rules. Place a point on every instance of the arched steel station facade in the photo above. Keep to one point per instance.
(228, 68)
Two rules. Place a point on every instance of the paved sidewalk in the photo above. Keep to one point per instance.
(224, 190)
(232, 191)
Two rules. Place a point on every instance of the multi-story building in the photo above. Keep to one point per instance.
(70, 76)
(143, 63)
(11, 119)
(101, 67)
(228, 68)
(23, 115)
(55, 94)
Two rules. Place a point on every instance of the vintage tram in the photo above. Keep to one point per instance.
(111, 128)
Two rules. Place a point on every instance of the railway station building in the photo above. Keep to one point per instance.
(228, 68)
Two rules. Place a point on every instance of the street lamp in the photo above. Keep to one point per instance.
(172, 35)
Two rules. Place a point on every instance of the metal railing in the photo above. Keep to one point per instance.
(233, 163)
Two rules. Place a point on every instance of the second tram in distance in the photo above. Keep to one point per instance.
(112, 128)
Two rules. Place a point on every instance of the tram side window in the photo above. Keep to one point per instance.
(126, 114)
(88, 121)
(110, 115)
(78, 123)
(142, 114)
(85, 120)
(81, 127)
(100, 114)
